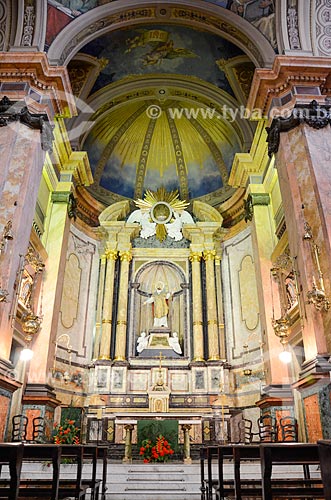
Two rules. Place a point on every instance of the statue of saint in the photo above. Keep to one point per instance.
(159, 299)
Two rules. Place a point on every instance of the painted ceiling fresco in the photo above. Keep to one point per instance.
(261, 13)
(206, 149)
(162, 49)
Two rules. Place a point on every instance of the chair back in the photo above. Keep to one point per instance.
(19, 430)
(267, 429)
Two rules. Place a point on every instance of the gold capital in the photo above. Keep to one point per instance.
(121, 322)
(197, 323)
(195, 256)
(212, 322)
(111, 254)
(107, 321)
(126, 256)
(209, 255)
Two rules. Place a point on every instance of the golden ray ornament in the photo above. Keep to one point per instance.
(161, 205)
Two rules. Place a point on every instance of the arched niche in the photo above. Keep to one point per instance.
(143, 286)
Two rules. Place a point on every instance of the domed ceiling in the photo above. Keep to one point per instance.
(161, 99)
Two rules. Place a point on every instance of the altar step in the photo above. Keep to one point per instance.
(174, 481)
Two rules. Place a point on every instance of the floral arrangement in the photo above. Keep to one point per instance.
(67, 433)
(158, 452)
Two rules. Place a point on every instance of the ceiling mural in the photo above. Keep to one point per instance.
(130, 152)
(260, 13)
(162, 49)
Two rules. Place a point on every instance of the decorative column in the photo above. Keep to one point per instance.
(105, 341)
(128, 443)
(195, 258)
(187, 449)
(299, 141)
(218, 259)
(212, 322)
(98, 329)
(122, 308)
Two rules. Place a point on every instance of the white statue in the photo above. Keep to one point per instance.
(174, 343)
(142, 342)
(161, 308)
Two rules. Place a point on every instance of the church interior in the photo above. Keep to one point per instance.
(165, 222)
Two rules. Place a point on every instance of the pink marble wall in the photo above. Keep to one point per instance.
(298, 188)
(22, 158)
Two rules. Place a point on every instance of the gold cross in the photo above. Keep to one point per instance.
(160, 358)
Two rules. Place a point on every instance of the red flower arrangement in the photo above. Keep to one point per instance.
(67, 433)
(158, 452)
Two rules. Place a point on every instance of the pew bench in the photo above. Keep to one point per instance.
(11, 454)
(66, 488)
(286, 454)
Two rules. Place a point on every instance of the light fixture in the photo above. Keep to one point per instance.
(285, 356)
(7, 234)
(26, 354)
(316, 295)
(247, 371)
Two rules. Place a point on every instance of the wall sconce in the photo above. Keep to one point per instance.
(7, 235)
(56, 374)
(247, 371)
(316, 295)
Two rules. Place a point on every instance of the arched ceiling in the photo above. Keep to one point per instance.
(165, 104)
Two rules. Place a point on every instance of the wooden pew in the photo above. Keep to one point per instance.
(37, 488)
(102, 454)
(324, 451)
(247, 487)
(91, 452)
(11, 454)
(289, 454)
(57, 488)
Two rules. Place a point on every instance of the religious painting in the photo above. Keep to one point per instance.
(199, 379)
(214, 379)
(102, 377)
(118, 379)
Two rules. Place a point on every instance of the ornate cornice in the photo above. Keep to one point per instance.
(33, 68)
(17, 111)
(287, 73)
(314, 115)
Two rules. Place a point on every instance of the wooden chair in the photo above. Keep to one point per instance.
(19, 428)
(38, 424)
(267, 429)
(245, 431)
(11, 454)
(288, 454)
(288, 428)
(324, 451)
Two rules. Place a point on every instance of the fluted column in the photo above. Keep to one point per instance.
(195, 259)
(219, 293)
(105, 341)
(212, 323)
(121, 323)
(97, 339)
(128, 443)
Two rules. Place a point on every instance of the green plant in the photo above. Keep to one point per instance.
(67, 433)
(155, 452)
